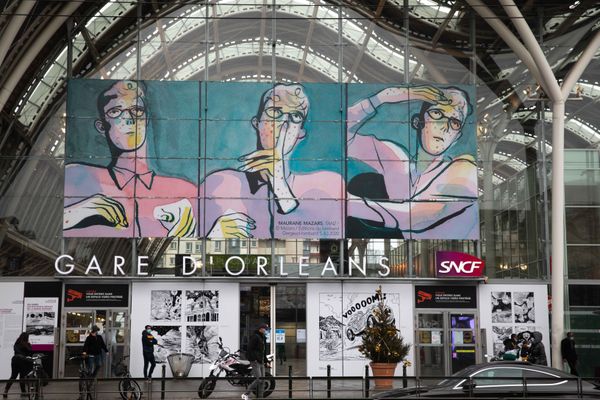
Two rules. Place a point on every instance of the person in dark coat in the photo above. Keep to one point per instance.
(19, 364)
(92, 349)
(257, 355)
(148, 342)
(537, 353)
(567, 349)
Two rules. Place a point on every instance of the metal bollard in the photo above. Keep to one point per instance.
(163, 382)
(290, 382)
(366, 382)
(328, 381)
(404, 380)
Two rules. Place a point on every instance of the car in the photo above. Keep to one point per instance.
(502, 379)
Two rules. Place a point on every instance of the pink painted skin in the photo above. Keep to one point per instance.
(96, 205)
(318, 195)
(440, 201)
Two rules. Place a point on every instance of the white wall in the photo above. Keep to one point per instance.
(227, 325)
(336, 304)
(510, 318)
(11, 322)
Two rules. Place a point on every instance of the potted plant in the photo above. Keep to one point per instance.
(382, 342)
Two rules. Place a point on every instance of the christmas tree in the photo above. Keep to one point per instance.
(382, 342)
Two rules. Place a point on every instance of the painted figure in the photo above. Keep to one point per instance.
(263, 197)
(126, 198)
(429, 195)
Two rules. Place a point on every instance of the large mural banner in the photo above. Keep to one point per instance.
(252, 160)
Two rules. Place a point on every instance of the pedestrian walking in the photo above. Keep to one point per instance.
(19, 364)
(569, 354)
(93, 349)
(257, 355)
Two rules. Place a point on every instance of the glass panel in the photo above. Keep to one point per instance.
(79, 319)
(255, 309)
(72, 367)
(462, 356)
(431, 320)
(431, 337)
(498, 376)
(462, 321)
(290, 332)
(75, 335)
(431, 361)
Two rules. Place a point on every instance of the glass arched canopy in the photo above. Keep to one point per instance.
(297, 40)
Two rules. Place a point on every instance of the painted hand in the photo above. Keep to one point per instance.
(177, 218)
(232, 225)
(95, 210)
(261, 160)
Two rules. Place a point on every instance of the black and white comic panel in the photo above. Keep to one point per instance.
(501, 307)
(169, 340)
(202, 306)
(202, 341)
(165, 306)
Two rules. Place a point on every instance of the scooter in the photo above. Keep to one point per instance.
(238, 372)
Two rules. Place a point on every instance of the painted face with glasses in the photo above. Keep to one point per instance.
(125, 119)
(280, 123)
(440, 125)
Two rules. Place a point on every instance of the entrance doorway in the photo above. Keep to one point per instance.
(446, 341)
(114, 329)
(283, 307)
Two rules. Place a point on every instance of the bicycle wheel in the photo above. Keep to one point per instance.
(91, 389)
(129, 389)
(34, 390)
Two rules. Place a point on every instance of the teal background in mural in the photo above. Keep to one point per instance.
(230, 106)
(172, 134)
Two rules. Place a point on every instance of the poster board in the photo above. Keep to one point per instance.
(337, 313)
(507, 309)
(40, 321)
(186, 317)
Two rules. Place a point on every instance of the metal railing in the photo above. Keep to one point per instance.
(326, 387)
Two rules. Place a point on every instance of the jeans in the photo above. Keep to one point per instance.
(149, 361)
(258, 371)
(94, 363)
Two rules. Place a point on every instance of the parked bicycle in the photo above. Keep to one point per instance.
(36, 378)
(87, 381)
(129, 389)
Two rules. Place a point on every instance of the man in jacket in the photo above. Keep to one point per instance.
(92, 348)
(567, 349)
(148, 342)
(537, 354)
(257, 355)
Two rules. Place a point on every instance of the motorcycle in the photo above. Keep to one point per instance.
(238, 372)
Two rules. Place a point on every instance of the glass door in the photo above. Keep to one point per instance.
(462, 341)
(290, 329)
(430, 344)
(446, 342)
(77, 326)
(255, 309)
(113, 328)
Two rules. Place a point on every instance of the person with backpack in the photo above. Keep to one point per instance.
(257, 355)
(19, 364)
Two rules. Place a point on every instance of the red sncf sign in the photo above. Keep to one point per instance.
(453, 264)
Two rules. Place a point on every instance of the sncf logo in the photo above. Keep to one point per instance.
(455, 264)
